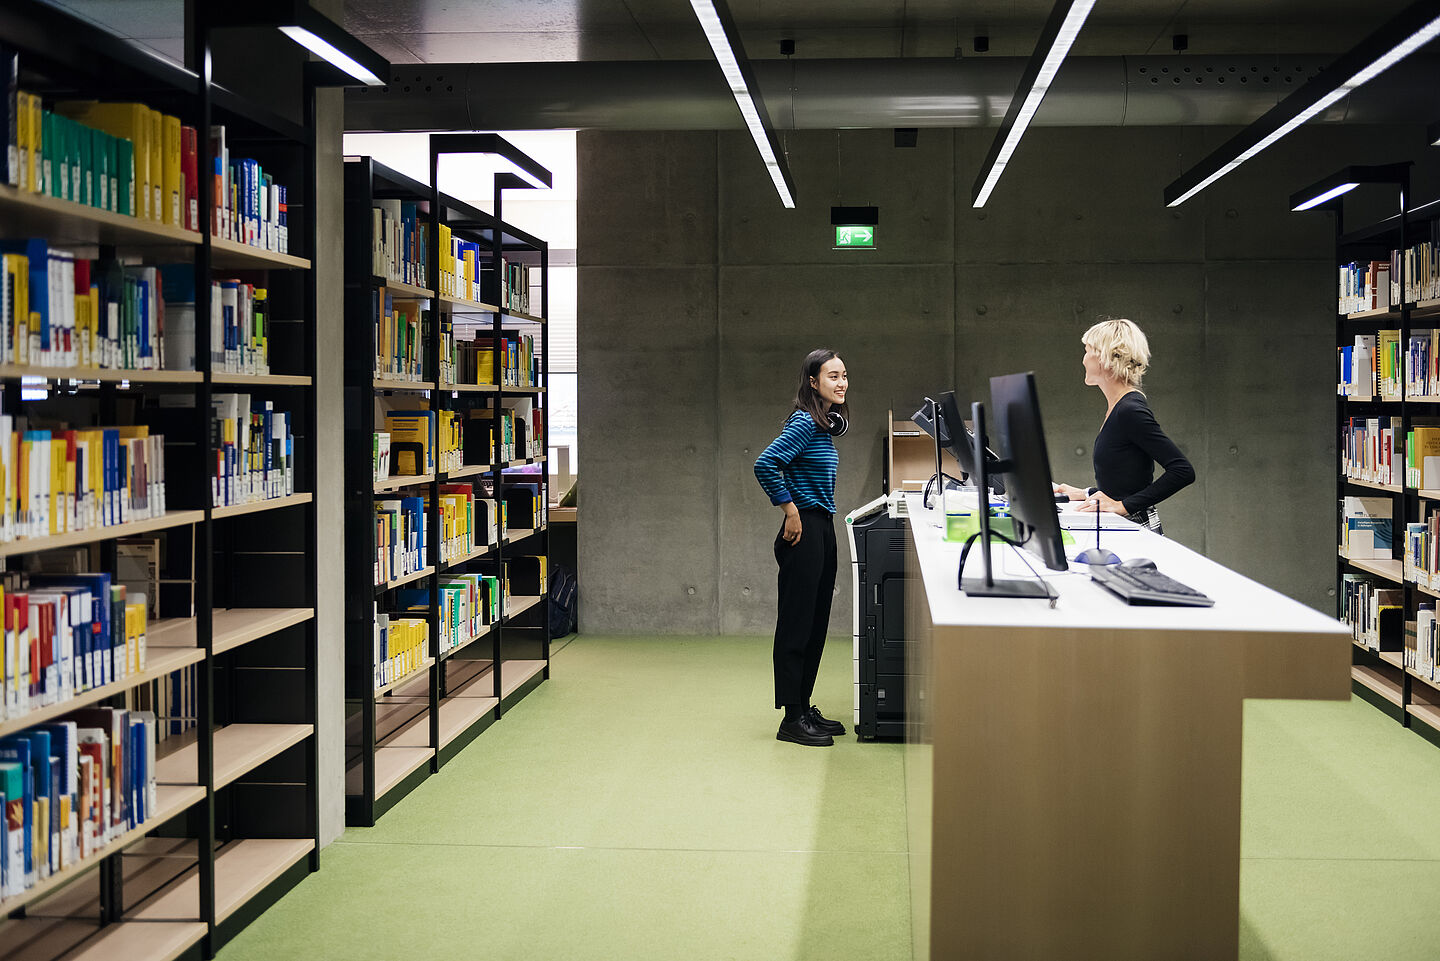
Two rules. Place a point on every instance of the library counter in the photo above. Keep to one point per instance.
(1073, 773)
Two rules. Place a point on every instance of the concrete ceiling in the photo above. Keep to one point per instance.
(500, 31)
(457, 31)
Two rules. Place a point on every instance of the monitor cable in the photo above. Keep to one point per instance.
(996, 535)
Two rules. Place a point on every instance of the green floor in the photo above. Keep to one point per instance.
(637, 806)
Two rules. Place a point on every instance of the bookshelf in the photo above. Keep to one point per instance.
(228, 559)
(1387, 669)
(400, 729)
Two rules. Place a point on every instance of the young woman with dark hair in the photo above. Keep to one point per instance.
(797, 472)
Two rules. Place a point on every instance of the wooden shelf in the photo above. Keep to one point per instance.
(106, 375)
(473, 555)
(243, 869)
(272, 504)
(489, 630)
(159, 662)
(64, 223)
(473, 470)
(515, 673)
(520, 603)
(237, 256)
(1425, 590)
(1377, 682)
(262, 380)
(418, 672)
(392, 765)
(1428, 713)
(1429, 495)
(520, 533)
(1389, 488)
(470, 306)
(1425, 308)
(1422, 678)
(236, 626)
(1371, 314)
(458, 712)
(400, 290)
(408, 578)
(524, 390)
(82, 940)
(32, 544)
(401, 481)
(239, 748)
(1424, 398)
(1393, 658)
(170, 800)
(521, 315)
(1391, 569)
(417, 385)
(563, 515)
(471, 388)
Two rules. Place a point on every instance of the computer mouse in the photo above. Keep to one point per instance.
(1142, 563)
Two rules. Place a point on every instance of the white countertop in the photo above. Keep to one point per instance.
(1240, 603)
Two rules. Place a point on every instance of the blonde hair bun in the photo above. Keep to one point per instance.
(1122, 348)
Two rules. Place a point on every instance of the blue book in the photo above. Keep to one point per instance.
(92, 640)
(16, 749)
(48, 859)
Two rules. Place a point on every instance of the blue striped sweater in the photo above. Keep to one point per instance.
(800, 465)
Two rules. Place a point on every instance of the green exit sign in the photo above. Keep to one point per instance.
(854, 237)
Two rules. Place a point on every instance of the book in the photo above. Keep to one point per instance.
(1367, 525)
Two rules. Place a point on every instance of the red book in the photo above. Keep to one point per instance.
(190, 172)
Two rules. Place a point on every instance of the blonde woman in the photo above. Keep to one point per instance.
(1130, 442)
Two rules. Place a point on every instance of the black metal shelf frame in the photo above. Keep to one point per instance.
(365, 181)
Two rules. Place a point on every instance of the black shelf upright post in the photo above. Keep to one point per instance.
(198, 40)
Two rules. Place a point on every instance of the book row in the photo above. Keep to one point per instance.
(71, 787)
(514, 286)
(1371, 449)
(460, 267)
(401, 337)
(58, 310)
(1375, 284)
(254, 450)
(128, 159)
(418, 442)
(399, 241)
(66, 634)
(400, 647)
(1367, 527)
(469, 604)
(55, 481)
(1375, 612)
(1420, 641)
(469, 354)
(1421, 560)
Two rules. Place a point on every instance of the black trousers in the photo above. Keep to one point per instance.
(807, 584)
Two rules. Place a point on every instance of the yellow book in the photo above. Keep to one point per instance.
(28, 110)
(57, 486)
(22, 138)
(174, 178)
(135, 633)
(132, 122)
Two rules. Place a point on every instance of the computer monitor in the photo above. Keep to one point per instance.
(1020, 438)
(951, 434)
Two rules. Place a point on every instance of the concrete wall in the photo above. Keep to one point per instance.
(700, 295)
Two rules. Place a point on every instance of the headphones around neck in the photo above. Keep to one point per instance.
(838, 424)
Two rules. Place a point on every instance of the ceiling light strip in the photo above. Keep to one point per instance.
(1395, 41)
(1056, 39)
(724, 42)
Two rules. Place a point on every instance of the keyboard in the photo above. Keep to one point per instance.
(1140, 586)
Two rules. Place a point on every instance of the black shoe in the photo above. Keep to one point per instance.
(802, 730)
(823, 723)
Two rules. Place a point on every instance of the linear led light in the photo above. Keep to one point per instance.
(306, 26)
(1330, 194)
(1411, 30)
(327, 51)
(1056, 39)
(1346, 180)
(724, 40)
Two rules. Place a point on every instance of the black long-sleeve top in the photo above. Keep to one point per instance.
(1128, 446)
